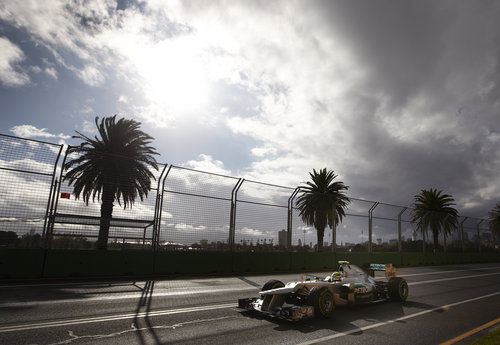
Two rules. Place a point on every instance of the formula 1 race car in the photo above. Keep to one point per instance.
(350, 285)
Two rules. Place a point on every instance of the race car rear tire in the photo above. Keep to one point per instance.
(272, 284)
(323, 301)
(398, 289)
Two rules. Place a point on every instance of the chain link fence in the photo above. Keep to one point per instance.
(190, 210)
(27, 170)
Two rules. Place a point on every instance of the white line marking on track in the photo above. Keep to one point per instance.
(213, 307)
(125, 283)
(451, 271)
(375, 325)
(453, 278)
(193, 292)
(127, 296)
(112, 318)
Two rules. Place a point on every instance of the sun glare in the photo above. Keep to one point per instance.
(176, 77)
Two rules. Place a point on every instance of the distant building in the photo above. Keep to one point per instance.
(283, 238)
(393, 241)
(379, 241)
(299, 243)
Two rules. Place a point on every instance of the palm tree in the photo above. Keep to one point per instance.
(115, 166)
(434, 210)
(494, 220)
(323, 203)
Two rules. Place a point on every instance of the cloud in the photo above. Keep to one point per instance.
(189, 227)
(209, 164)
(51, 72)
(29, 131)
(263, 151)
(250, 232)
(10, 57)
(391, 104)
(374, 97)
(91, 76)
(89, 128)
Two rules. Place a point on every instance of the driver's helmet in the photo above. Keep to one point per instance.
(335, 277)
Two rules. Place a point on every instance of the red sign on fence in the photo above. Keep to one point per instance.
(65, 195)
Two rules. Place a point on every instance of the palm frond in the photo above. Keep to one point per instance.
(120, 157)
(322, 202)
(434, 210)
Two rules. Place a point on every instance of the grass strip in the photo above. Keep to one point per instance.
(492, 338)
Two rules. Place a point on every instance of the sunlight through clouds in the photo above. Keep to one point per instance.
(383, 100)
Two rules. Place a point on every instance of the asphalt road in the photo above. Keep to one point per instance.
(444, 301)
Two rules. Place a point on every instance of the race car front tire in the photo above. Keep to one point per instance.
(398, 289)
(272, 284)
(322, 300)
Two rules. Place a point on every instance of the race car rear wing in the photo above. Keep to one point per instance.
(390, 271)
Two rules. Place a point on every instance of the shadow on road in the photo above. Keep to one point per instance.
(145, 333)
(249, 282)
(344, 318)
(33, 292)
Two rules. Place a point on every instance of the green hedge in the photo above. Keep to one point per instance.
(57, 263)
(21, 263)
(192, 262)
(90, 263)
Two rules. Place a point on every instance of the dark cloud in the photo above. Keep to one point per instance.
(428, 110)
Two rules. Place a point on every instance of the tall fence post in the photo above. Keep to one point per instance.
(156, 235)
(462, 233)
(400, 245)
(479, 236)
(290, 217)
(370, 221)
(46, 237)
(50, 192)
(156, 218)
(232, 215)
(444, 233)
(53, 212)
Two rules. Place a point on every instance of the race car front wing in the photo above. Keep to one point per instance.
(290, 312)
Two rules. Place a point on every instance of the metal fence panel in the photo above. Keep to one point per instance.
(261, 216)
(188, 209)
(27, 168)
(304, 237)
(76, 224)
(196, 210)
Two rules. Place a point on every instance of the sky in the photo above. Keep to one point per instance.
(394, 96)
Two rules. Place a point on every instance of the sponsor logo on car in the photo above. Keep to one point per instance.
(361, 290)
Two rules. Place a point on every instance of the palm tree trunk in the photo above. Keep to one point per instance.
(334, 238)
(424, 231)
(435, 234)
(321, 234)
(444, 241)
(108, 197)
